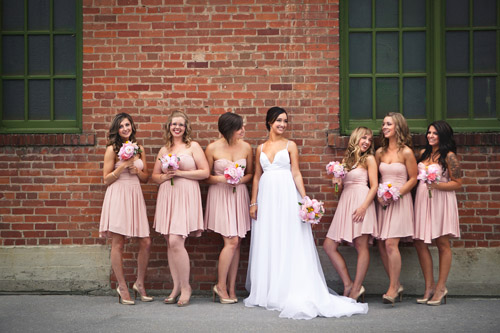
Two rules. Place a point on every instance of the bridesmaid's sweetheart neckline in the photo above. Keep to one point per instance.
(274, 155)
(225, 159)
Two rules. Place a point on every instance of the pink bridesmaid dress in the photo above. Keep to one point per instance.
(436, 216)
(354, 194)
(124, 210)
(227, 212)
(396, 221)
(178, 207)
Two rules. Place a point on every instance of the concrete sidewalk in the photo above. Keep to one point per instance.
(74, 313)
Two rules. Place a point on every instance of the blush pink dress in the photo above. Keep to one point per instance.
(354, 194)
(396, 221)
(124, 209)
(436, 216)
(227, 212)
(178, 207)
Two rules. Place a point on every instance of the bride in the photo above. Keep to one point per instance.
(284, 271)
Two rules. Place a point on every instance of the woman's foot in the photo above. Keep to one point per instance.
(438, 297)
(184, 297)
(347, 290)
(429, 292)
(172, 298)
(139, 289)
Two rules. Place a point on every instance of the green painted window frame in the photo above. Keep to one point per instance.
(435, 72)
(52, 125)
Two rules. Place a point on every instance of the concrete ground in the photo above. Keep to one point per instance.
(77, 313)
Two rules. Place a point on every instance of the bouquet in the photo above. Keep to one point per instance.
(234, 174)
(336, 169)
(387, 191)
(311, 210)
(430, 175)
(128, 150)
(169, 161)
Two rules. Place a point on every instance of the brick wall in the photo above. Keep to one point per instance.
(150, 57)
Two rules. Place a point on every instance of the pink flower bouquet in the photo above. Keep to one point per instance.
(430, 175)
(169, 161)
(311, 210)
(128, 150)
(336, 169)
(234, 174)
(387, 191)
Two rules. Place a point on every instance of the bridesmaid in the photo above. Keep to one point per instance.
(179, 213)
(124, 210)
(398, 166)
(355, 219)
(227, 210)
(437, 217)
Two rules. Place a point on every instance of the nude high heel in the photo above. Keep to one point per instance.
(391, 300)
(121, 300)
(438, 302)
(143, 298)
(361, 294)
(424, 300)
(215, 293)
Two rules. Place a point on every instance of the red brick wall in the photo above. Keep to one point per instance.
(151, 57)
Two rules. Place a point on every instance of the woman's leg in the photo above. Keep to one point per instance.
(178, 260)
(225, 260)
(361, 244)
(394, 265)
(142, 263)
(233, 271)
(117, 244)
(445, 258)
(425, 259)
(331, 249)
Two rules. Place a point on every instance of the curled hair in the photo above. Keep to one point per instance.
(167, 135)
(446, 143)
(403, 137)
(353, 156)
(114, 138)
(273, 114)
(228, 124)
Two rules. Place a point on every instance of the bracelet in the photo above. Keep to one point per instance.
(254, 204)
(113, 173)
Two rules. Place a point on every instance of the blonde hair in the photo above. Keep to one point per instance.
(186, 137)
(403, 137)
(353, 156)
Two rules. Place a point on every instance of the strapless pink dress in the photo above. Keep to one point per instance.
(124, 210)
(227, 212)
(436, 216)
(354, 194)
(178, 207)
(396, 221)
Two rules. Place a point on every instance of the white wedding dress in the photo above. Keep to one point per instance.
(284, 271)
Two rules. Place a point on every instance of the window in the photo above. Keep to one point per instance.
(428, 60)
(41, 71)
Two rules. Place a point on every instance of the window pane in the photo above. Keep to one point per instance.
(38, 14)
(64, 14)
(413, 13)
(457, 52)
(485, 51)
(39, 55)
(39, 100)
(414, 52)
(12, 15)
(360, 13)
(13, 99)
(64, 99)
(387, 52)
(414, 98)
(360, 53)
(64, 54)
(485, 97)
(485, 12)
(13, 55)
(387, 96)
(457, 97)
(360, 98)
(457, 13)
(386, 13)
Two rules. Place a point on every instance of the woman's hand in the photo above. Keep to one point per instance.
(359, 214)
(384, 203)
(168, 175)
(253, 212)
